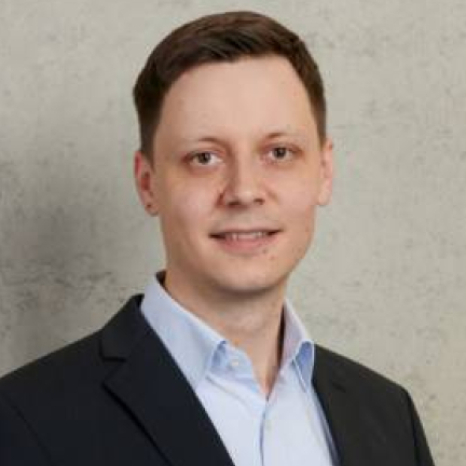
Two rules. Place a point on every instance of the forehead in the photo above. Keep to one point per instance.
(250, 94)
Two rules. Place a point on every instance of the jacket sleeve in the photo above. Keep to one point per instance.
(423, 455)
(19, 445)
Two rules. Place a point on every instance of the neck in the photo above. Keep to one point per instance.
(252, 322)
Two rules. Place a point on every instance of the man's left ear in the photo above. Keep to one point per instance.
(326, 173)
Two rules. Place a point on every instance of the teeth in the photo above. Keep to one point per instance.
(245, 236)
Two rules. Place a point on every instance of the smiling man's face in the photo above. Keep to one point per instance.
(237, 175)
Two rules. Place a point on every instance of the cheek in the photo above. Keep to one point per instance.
(301, 198)
(301, 210)
(184, 205)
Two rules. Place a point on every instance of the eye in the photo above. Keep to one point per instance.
(204, 158)
(281, 153)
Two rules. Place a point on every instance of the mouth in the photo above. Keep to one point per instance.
(245, 240)
(244, 235)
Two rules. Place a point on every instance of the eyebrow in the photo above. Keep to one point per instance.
(272, 135)
(277, 134)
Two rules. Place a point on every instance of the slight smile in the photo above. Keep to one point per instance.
(245, 241)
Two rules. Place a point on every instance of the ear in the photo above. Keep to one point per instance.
(144, 176)
(326, 174)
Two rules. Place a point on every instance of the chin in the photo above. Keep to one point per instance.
(247, 284)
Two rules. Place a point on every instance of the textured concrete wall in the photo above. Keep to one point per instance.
(385, 281)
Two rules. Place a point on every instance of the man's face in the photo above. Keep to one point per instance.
(238, 172)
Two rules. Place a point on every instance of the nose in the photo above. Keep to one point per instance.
(244, 184)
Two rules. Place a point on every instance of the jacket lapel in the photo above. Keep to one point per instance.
(357, 435)
(150, 385)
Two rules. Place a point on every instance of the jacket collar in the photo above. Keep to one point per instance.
(150, 385)
(359, 435)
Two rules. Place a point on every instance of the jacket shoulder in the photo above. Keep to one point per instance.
(356, 375)
(70, 369)
(55, 371)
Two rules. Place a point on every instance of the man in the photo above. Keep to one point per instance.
(212, 365)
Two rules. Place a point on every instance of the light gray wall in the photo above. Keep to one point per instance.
(385, 281)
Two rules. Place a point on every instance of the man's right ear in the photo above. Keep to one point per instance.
(144, 177)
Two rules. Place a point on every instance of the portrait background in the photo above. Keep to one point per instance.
(384, 282)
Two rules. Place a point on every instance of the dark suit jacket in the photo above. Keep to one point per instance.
(118, 398)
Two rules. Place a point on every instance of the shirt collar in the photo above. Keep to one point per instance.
(193, 344)
(190, 341)
(298, 348)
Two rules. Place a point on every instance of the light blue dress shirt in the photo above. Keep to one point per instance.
(286, 429)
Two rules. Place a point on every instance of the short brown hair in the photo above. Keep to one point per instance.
(223, 37)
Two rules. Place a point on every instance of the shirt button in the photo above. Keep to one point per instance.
(234, 363)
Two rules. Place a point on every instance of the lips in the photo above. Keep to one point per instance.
(248, 242)
(243, 235)
(249, 234)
